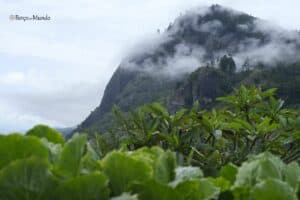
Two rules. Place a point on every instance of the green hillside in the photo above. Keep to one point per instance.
(202, 56)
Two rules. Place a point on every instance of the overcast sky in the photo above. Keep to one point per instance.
(54, 72)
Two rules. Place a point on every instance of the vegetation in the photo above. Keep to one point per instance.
(227, 64)
(146, 174)
(213, 37)
(251, 121)
(203, 85)
(246, 150)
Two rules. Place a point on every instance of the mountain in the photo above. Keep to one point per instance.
(203, 54)
(66, 132)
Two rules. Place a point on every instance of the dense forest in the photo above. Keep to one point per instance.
(247, 148)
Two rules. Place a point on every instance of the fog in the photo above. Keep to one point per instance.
(278, 45)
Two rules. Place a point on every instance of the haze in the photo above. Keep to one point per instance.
(54, 72)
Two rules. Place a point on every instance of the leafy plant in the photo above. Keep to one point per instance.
(42, 131)
(252, 121)
(146, 173)
(246, 151)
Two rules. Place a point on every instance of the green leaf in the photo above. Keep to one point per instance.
(274, 190)
(292, 175)
(241, 193)
(221, 183)
(89, 187)
(42, 131)
(125, 196)
(267, 169)
(26, 179)
(163, 163)
(123, 170)
(198, 190)
(270, 92)
(259, 168)
(13, 147)
(229, 172)
(186, 173)
(152, 190)
(69, 161)
(157, 109)
(54, 150)
(89, 162)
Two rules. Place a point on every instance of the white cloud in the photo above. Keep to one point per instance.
(20, 45)
(12, 78)
(63, 65)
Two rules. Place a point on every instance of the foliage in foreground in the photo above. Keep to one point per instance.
(245, 151)
(33, 168)
(251, 121)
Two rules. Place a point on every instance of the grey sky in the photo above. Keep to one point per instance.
(55, 72)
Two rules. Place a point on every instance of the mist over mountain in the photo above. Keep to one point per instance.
(205, 34)
(184, 63)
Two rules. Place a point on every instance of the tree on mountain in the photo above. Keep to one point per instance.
(246, 65)
(227, 64)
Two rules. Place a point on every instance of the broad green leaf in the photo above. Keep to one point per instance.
(292, 175)
(274, 190)
(229, 172)
(13, 147)
(164, 168)
(42, 131)
(125, 196)
(201, 189)
(89, 187)
(221, 183)
(54, 150)
(267, 169)
(259, 168)
(163, 163)
(123, 170)
(89, 162)
(153, 190)
(241, 193)
(69, 161)
(26, 179)
(186, 173)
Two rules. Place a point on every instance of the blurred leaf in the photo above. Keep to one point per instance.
(229, 172)
(273, 189)
(123, 170)
(292, 175)
(92, 187)
(14, 146)
(42, 131)
(69, 160)
(125, 196)
(186, 173)
(152, 190)
(197, 190)
(163, 163)
(26, 179)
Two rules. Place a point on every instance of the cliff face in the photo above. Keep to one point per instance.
(169, 71)
(127, 90)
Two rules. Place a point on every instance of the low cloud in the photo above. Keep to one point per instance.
(173, 55)
(50, 107)
(83, 44)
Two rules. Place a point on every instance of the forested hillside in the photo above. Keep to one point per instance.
(203, 54)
